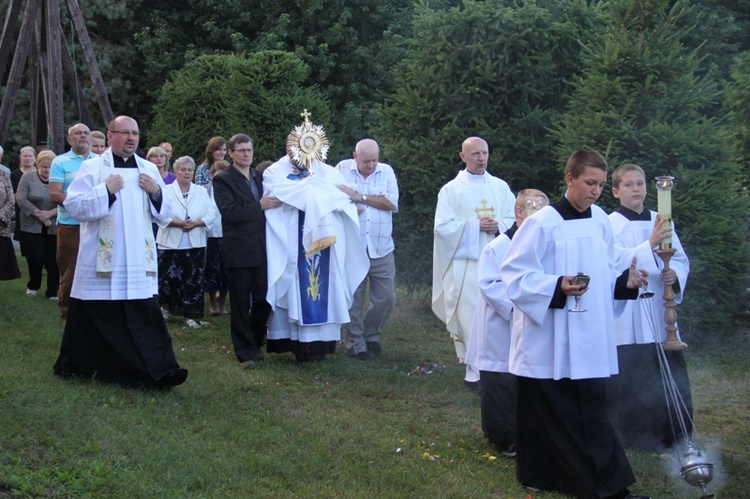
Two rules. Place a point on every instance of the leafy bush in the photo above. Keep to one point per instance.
(258, 94)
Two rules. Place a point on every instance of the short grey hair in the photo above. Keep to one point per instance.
(183, 159)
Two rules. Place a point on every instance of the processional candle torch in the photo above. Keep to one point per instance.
(664, 187)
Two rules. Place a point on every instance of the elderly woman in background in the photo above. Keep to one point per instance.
(216, 282)
(158, 156)
(27, 157)
(216, 150)
(8, 263)
(39, 226)
(181, 241)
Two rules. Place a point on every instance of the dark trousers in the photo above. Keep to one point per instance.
(42, 252)
(67, 255)
(250, 311)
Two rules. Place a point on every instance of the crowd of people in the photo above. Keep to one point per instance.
(81, 215)
(304, 253)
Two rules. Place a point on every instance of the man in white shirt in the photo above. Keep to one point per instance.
(373, 188)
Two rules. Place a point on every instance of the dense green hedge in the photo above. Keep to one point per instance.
(258, 94)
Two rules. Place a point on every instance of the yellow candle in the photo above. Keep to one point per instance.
(664, 197)
(665, 203)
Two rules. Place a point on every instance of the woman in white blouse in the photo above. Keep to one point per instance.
(181, 242)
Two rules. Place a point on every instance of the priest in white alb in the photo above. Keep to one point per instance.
(115, 331)
(316, 258)
(472, 209)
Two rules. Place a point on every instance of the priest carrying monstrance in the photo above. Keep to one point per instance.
(316, 258)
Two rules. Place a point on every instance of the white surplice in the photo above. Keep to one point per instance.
(489, 344)
(555, 343)
(631, 239)
(458, 244)
(329, 213)
(88, 201)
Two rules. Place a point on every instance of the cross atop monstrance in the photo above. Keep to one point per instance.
(485, 211)
(41, 43)
(308, 143)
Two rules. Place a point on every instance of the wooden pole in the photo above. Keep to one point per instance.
(55, 119)
(9, 31)
(37, 77)
(84, 115)
(90, 58)
(37, 107)
(25, 39)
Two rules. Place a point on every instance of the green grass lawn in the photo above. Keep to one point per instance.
(404, 426)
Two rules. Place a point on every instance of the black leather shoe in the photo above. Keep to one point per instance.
(626, 494)
(472, 385)
(363, 356)
(176, 377)
(508, 450)
(374, 348)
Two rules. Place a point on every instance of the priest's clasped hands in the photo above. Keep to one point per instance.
(147, 183)
(489, 225)
(636, 279)
(115, 183)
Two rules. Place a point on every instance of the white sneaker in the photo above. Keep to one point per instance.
(54, 298)
(30, 292)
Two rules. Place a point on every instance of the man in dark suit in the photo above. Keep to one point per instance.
(238, 191)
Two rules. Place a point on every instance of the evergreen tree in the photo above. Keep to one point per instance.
(259, 94)
(486, 69)
(348, 48)
(738, 109)
(639, 101)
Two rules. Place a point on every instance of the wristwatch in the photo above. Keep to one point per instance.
(364, 199)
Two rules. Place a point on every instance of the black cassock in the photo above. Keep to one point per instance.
(124, 341)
